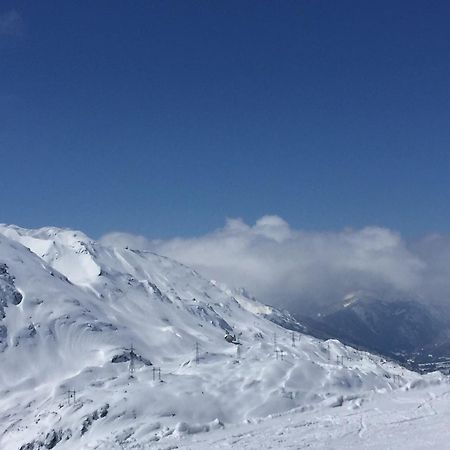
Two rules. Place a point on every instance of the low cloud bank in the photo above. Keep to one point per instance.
(305, 271)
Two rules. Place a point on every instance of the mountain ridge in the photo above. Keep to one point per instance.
(83, 305)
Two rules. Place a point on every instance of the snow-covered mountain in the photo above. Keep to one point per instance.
(70, 310)
(412, 332)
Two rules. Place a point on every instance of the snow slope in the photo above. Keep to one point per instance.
(69, 307)
(413, 419)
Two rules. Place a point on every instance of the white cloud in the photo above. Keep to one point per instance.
(119, 239)
(299, 270)
(11, 24)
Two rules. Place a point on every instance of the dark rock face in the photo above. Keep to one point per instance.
(8, 292)
(9, 295)
(34, 445)
(16, 298)
(25, 333)
(126, 356)
(3, 269)
(97, 414)
(3, 333)
(52, 439)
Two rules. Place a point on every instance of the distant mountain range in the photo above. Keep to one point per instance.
(408, 331)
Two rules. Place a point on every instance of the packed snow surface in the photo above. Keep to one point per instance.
(74, 312)
(414, 419)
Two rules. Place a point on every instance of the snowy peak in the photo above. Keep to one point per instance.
(69, 252)
(79, 316)
(131, 296)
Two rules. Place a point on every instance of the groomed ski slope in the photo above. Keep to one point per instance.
(70, 306)
(416, 419)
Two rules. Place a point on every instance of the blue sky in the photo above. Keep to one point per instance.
(164, 118)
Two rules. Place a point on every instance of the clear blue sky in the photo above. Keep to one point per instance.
(166, 117)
